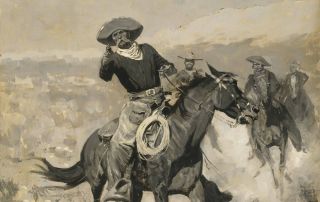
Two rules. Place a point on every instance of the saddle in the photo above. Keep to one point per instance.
(152, 136)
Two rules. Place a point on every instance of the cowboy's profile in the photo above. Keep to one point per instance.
(137, 66)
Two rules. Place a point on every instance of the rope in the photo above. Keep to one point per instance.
(144, 150)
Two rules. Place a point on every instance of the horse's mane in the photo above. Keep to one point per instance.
(197, 87)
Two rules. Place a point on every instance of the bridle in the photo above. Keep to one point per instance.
(219, 81)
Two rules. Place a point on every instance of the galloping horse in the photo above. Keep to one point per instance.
(273, 126)
(297, 101)
(179, 169)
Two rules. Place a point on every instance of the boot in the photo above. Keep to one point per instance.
(119, 185)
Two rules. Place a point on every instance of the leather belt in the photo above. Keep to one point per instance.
(147, 93)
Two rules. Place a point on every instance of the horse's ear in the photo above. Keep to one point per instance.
(213, 70)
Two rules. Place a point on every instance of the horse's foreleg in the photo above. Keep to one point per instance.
(161, 193)
(283, 148)
(276, 182)
(282, 166)
(137, 193)
(158, 178)
(267, 156)
(97, 189)
(197, 193)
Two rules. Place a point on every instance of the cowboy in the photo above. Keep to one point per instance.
(294, 80)
(184, 78)
(187, 75)
(137, 67)
(296, 99)
(265, 84)
(262, 78)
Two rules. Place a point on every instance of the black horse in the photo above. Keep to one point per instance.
(179, 169)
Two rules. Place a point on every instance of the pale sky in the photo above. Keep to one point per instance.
(72, 25)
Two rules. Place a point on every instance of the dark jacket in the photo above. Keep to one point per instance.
(135, 75)
(272, 81)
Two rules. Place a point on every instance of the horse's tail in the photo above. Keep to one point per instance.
(72, 176)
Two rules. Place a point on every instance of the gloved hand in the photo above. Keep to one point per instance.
(107, 54)
(168, 69)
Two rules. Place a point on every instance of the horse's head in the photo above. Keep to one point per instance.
(296, 79)
(295, 86)
(228, 98)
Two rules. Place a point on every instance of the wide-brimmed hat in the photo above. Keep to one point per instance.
(104, 35)
(259, 60)
(190, 57)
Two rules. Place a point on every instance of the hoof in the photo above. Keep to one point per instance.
(251, 156)
(276, 184)
(288, 178)
(257, 173)
(226, 196)
(262, 164)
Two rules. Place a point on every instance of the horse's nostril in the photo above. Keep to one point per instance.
(255, 109)
(242, 120)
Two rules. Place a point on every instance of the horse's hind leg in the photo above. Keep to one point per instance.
(197, 193)
(267, 156)
(161, 193)
(283, 148)
(97, 188)
(271, 164)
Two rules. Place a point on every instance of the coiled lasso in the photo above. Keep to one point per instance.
(144, 150)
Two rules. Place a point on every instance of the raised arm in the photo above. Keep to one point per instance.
(107, 65)
(163, 64)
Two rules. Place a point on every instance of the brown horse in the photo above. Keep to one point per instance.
(179, 169)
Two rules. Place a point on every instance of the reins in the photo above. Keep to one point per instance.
(218, 81)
